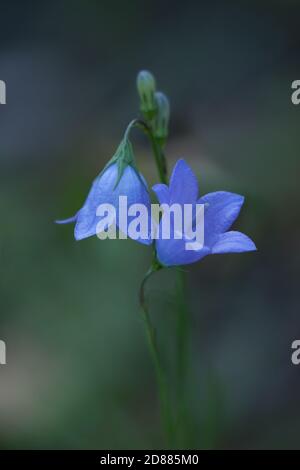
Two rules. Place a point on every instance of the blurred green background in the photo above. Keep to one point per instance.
(79, 374)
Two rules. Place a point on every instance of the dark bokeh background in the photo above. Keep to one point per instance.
(79, 373)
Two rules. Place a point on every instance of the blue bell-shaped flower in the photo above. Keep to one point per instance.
(120, 177)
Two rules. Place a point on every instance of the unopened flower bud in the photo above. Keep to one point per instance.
(161, 122)
(146, 89)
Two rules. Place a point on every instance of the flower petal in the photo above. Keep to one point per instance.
(233, 242)
(174, 253)
(183, 184)
(100, 193)
(67, 221)
(162, 193)
(104, 191)
(172, 245)
(134, 186)
(221, 210)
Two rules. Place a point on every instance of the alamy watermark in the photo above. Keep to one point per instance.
(163, 221)
(2, 352)
(2, 92)
(295, 97)
(295, 357)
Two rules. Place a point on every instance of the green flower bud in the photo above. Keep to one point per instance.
(161, 121)
(146, 89)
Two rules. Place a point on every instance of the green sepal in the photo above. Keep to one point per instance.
(123, 157)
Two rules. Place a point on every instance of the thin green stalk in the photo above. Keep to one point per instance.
(182, 331)
(156, 149)
(182, 322)
(182, 314)
(164, 396)
(159, 158)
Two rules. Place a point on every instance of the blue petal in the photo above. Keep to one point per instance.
(221, 210)
(233, 242)
(103, 191)
(162, 193)
(173, 252)
(134, 186)
(67, 221)
(183, 184)
(100, 192)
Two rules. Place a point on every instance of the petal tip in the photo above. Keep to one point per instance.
(66, 221)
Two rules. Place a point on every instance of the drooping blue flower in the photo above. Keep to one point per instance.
(221, 209)
(119, 178)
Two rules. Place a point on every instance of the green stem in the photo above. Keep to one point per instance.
(182, 355)
(182, 329)
(166, 412)
(159, 158)
(182, 318)
(156, 148)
